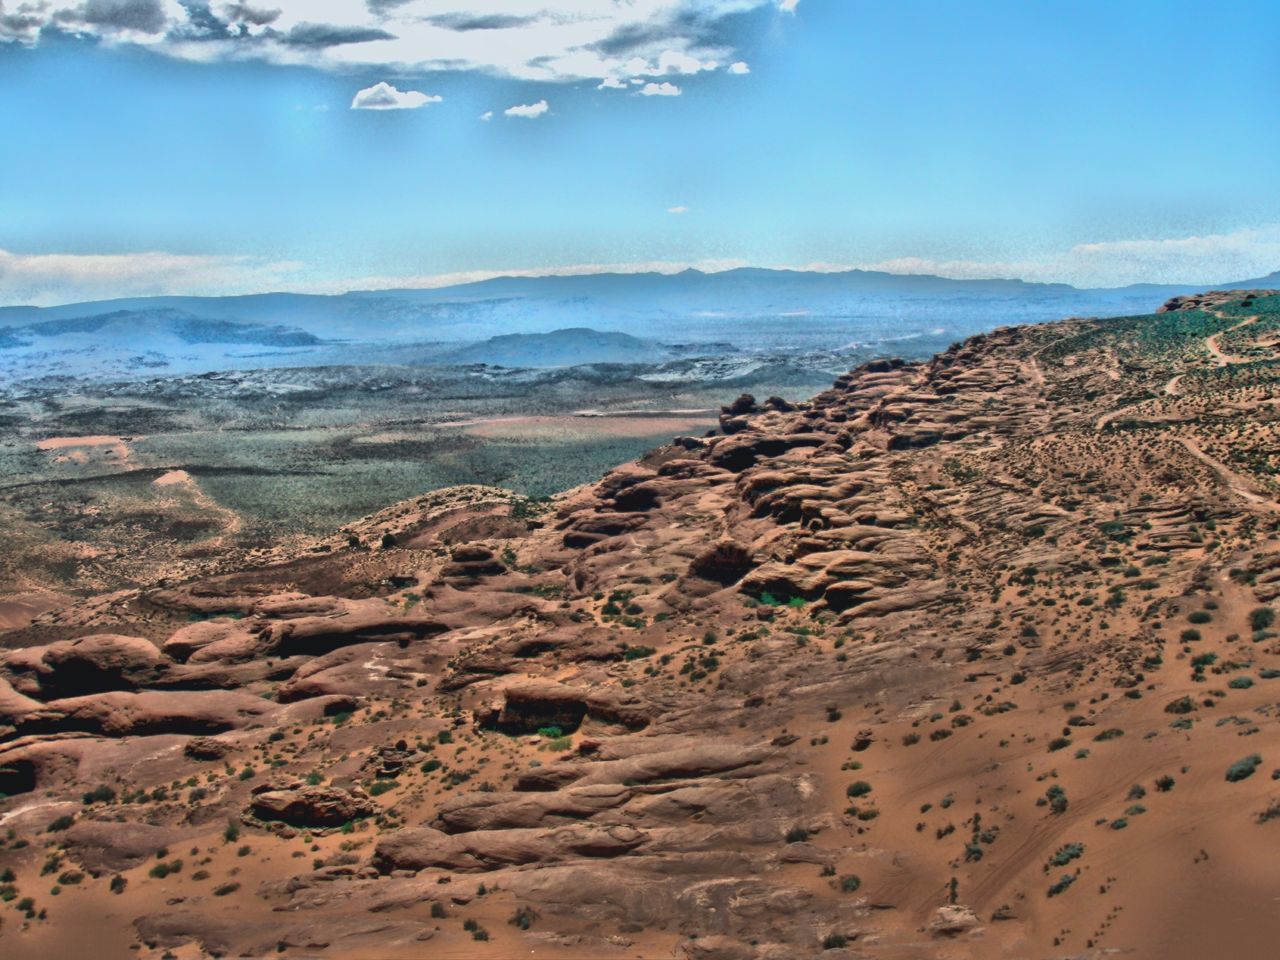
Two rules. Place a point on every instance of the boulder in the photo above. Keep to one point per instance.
(93, 664)
(102, 845)
(312, 806)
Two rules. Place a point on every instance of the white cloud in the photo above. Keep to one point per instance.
(70, 277)
(487, 116)
(529, 111)
(739, 68)
(383, 96)
(611, 83)
(674, 61)
(788, 6)
(1201, 260)
(660, 90)
(680, 208)
(541, 40)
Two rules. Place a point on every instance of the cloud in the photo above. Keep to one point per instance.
(611, 83)
(540, 40)
(739, 68)
(487, 116)
(325, 35)
(674, 61)
(464, 23)
(383, 96)
(788, 6)
(660, 90)
(681, 208)
(113, 16)
(529, 111)
(68, 277)
(1198, 260)
(254, 16)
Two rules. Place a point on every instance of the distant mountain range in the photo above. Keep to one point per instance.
(749, 309)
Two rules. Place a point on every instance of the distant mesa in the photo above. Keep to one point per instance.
(561, 348)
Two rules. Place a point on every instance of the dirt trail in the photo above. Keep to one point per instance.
(1237, 484)
(1211, 343)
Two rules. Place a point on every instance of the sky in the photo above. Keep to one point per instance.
(185, 146)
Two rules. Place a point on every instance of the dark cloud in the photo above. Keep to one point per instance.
(330, 35)
(381, 7)
(25, 20)
(145, 16)
(697, 28)
(255, 16)
(463, 22)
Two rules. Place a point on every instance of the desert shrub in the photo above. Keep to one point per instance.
(1165, 783)
(797, 835)
(162, 870)
(834, 941)
(1243, 768)
(99, 794)
(1057, 798)
(523, 918)
(1066, 853)
(1065, 881)
(225, 889)
(1262, 618)
(1200, 616)
(61, 823)
(859, 788)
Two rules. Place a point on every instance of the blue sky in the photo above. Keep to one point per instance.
(156, 146)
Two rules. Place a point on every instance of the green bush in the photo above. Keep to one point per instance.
(523, 918)
(162, 870)
(859, 788)
(1066, 853)
(1063, 883)
(99, 794)
(1243, 768)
